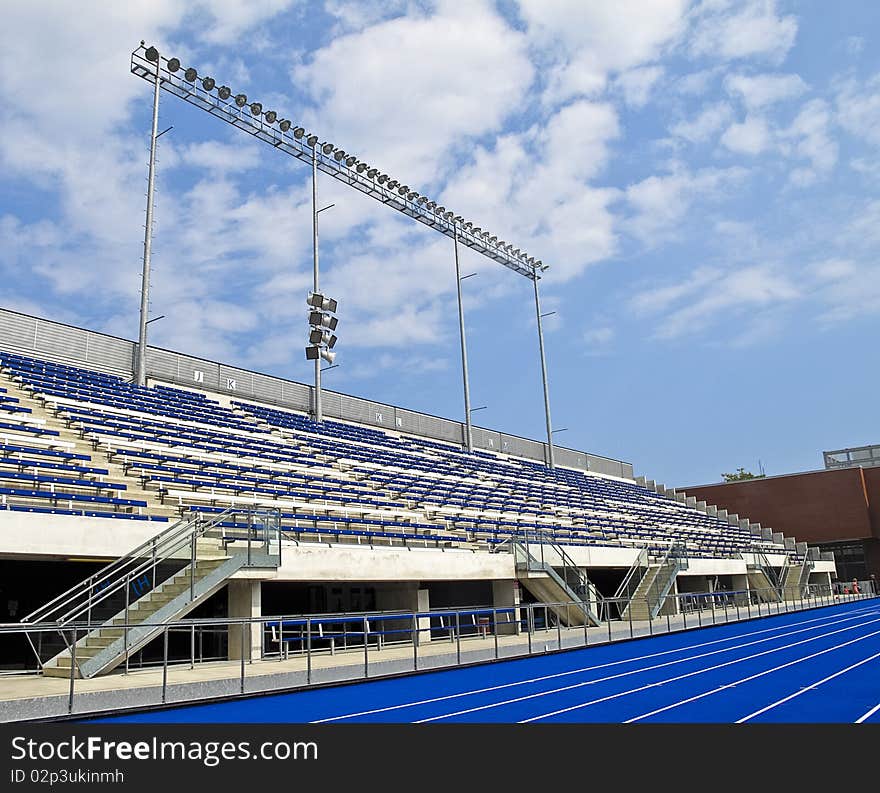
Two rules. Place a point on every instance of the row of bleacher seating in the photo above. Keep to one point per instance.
(197, 454)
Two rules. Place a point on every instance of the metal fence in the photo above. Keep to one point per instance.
(320, 648)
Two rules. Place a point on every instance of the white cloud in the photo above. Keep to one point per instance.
(732, 30)
(401, 94)
(759, 91)
(858, 109)
(598, 338)
(809, 137)
(712, 297)
(751, 136)
(660, 203)
(637, 84)
(589, 41)
(709, 121)
(220, 157)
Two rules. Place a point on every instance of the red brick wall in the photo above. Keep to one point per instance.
(812, 507)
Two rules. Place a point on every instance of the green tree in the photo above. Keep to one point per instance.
(741, 475)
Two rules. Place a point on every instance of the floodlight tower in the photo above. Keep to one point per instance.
(152, 55)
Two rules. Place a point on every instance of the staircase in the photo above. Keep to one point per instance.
(795, 576)
(105, 619)
(553, 578)
(763, 578)
(657, 581)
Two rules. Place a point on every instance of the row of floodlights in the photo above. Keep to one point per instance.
(321, 324)
(270, 116)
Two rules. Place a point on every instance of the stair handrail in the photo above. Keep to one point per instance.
(584, 589)
(675, 559)
(764, 563)
(622, 591)
(69, 605)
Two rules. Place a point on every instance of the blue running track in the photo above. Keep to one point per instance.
(821, 665)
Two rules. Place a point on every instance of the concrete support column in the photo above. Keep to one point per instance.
(740, 584)
(670, 605)
(245, 600)
(405, 597)
(505, 595)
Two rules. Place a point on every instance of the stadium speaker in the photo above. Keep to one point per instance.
(327, 148)
(312, 140)
(240, 100)
(256, 108)
(190, 75)
(208, 83)
(173, 64)
(224, 92)
(284, 125)
(312, 353)
(152, 54)
(271, 115)
(328, 356)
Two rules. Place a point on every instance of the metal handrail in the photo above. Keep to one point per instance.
(641, 561)
(115, 575)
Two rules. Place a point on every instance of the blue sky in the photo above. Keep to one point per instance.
(700, 176)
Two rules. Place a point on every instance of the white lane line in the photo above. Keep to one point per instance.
(809, 687)
(824, 620)
(639, 671)
(865, 716)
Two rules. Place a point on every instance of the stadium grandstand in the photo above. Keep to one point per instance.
(211, 495)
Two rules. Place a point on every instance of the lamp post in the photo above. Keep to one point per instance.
(468, 432)
(152, 54)
(550, 457)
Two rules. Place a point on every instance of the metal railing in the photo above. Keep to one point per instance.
(631, 580)
(318, 648)
(114, 589)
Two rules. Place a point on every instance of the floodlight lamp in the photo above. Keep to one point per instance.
(327, 148)
(477, 231)
(312, 353)
(412, 196)
(173, 64)
(383, 177)
(458, 218)
(208, 83)
(316, 336)
(403, 189)
(372, 173)
(449, 215)
(298, 132)
(423, 199)
(256, 108)
(270, 116)
(440, 211)
(152, 54)
(468, 226)
(361, 167)
(339, 155)
(392, 184)
(493, 240)
(430, 205)
(284, 125)
(330, 341)
(224, 92)
(351, 161)
(241, 100)
(312, 140)
(190, 75)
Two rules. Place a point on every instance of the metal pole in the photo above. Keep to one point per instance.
(319, 415)
(458, 638)
(309, 650)
(550, 458)
(469, 436)
(141, 367)
(125, 629)
(72, 672)
(495, 629)
(415, 633)
(366, 649)
(164, 663)
(242, 640)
